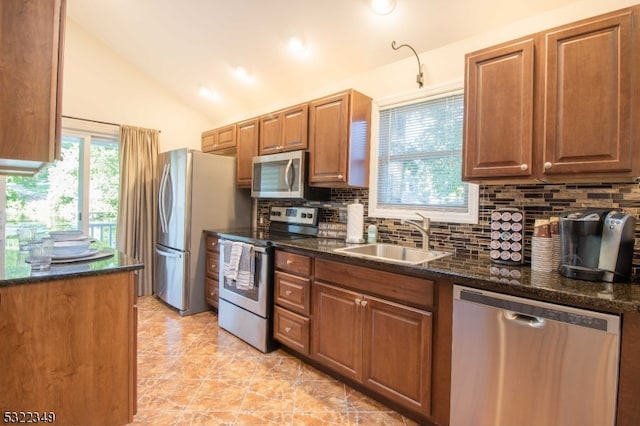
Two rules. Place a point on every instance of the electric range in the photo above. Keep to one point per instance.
(245, 309)
(285, 223)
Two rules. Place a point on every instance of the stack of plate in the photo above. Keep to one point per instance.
(71, 245)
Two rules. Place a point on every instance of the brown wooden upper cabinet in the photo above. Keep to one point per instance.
(557, 106)
(284, 130)
(221, 140)
(247, 147)
(339, 134)
(31, 42)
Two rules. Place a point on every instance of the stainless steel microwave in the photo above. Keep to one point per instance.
(284, 175)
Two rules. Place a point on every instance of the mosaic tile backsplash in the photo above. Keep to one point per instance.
(537, 201)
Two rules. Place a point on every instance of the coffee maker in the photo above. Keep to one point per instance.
(597, 245)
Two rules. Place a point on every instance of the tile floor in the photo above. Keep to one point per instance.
(191, 372)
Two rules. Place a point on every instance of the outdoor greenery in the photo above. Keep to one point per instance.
(52, 199)
(420, 155)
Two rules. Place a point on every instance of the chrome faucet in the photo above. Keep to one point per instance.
(424, 229)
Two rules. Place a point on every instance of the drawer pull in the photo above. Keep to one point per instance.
(213, 266)
(289, 261)
(287, 329)
(288, 292)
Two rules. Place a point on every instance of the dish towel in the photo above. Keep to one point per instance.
(245, 274)
(239, 265)
(232, 253)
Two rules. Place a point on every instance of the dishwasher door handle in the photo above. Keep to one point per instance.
(525, 320)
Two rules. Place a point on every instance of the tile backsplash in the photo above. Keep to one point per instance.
(537, 201)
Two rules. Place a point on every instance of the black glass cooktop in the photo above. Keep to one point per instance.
(258, 236)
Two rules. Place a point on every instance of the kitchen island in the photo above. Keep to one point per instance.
(68, 335)
(479, 272)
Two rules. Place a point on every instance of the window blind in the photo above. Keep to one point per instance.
(420, 155)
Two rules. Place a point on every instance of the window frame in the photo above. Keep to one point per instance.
(440, 214)
(88, 131)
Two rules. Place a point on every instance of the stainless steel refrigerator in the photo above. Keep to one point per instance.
(196, 192)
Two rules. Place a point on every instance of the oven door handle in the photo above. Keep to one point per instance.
(256, 249)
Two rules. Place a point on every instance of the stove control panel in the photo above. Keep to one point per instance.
(295, 215)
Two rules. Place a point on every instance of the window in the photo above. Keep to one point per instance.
(80, 191)
(416, 159)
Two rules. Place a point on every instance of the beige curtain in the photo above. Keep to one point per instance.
(137, 214)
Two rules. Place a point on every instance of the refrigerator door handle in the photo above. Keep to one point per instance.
(163, 226)
(168, 195)
(168, 254)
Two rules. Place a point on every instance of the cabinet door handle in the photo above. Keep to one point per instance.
(358, 302)
(547, 165)
(363, 303)
(524, 166)
(340, 177)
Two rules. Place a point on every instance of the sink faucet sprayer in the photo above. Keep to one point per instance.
(424, 229)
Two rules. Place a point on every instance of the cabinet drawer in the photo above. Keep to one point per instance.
(211, 291)
(212, 244)
(213, 264)
(294, 263)
(418, 292)
(291, 330)
(293, 292)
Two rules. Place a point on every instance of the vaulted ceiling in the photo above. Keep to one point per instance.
(188, 44)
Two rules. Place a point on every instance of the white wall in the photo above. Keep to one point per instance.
(446, 64)
(99, 85)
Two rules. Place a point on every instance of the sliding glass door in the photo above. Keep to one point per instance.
(80, 191)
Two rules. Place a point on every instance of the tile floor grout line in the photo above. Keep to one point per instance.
(181, 343)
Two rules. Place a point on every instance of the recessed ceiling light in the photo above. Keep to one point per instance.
(299, 47)
(210, 94)
(243, 75)
(383, 7)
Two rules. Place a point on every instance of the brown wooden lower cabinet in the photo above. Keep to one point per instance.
(211, 280)
(397, 343)
(383, 345)
(291, 329)
(69, 348)
(387, 334)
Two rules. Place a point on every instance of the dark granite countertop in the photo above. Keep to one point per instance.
(480, 272)
(14, 270)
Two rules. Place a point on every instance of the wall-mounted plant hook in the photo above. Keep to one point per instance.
(420, 76)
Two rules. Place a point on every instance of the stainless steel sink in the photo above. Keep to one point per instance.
(392, 253)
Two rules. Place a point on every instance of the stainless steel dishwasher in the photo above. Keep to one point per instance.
(522, 362)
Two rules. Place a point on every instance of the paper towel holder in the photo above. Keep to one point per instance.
(358, 237)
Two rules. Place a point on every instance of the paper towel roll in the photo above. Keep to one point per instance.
(355, 223)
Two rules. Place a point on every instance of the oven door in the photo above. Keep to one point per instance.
(256, 299)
